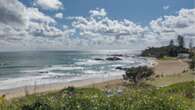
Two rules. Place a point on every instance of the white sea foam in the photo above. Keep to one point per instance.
(90, 62)
(53, 68)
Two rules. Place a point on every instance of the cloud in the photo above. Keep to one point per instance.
(12, 13)
(13, 21)
(98, 12)
(30, 28)
(166, 7)
(59, 15)
(35, 15)
(49, 4)
(183, 23)
(169, 27)
(106, 32)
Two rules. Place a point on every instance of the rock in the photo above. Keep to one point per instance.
(98, 59)
(43, 72)
(121, 68)
(119, 55)
(113, 58)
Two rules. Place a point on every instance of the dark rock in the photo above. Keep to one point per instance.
(113, 58)
(99, 59)
(121, 68)
(43, 72)
(119, 55)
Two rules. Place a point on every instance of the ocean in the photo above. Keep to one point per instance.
(18, 69)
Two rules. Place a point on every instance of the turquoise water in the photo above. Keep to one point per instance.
(25, 68)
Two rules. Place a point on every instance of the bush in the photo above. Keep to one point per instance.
(136, 74)
(192, 63)
(37, 105)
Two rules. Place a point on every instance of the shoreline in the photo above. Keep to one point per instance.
(29, 90)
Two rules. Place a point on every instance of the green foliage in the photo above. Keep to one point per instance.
(136, 74)
(171, 50)
(181, 41)
(141, 97)
(167, 58)
(37, 105)
(171, 43)
(159, 52)
(182, 89)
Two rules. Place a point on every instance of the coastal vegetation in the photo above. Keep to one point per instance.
(137, 74)
(171, 50)
(143, 97)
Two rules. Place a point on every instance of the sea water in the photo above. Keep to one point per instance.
(27, 68)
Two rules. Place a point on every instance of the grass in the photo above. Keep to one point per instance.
(172, 79)
(168, 58)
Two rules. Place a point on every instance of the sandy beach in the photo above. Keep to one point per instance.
(162, 67)
(170, 67)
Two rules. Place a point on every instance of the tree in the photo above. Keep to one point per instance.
(171, 43)
(136, 74)
(171, 49)
(180, 40)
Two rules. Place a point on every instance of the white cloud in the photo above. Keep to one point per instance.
(12, 13)
(35, 15)
(182, 24)
(38, 30)
(166, 7)
(106, 32)
(98, 12)
(49, 4)
(59, 15)
(169, 27)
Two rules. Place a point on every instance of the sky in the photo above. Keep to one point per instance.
(93, 24)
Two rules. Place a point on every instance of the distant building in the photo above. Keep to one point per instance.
(183, 55)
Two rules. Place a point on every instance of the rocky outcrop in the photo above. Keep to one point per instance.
(113, 58)
(98, 59)
(121, 68)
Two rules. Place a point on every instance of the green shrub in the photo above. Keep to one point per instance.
(136, 74)
(37, 105)
(185, 89)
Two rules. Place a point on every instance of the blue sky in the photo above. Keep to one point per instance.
(138, 11)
